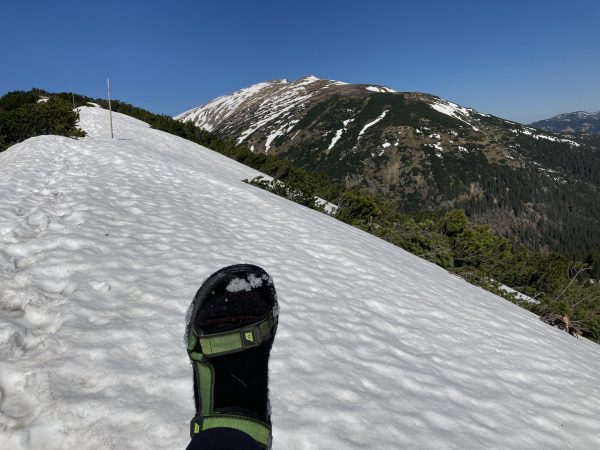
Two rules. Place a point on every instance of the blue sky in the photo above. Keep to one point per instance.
(521, 60)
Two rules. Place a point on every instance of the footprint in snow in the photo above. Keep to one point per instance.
(38, 221)
(7, 263)
(100, 286)
(33, 317)
(17, 405)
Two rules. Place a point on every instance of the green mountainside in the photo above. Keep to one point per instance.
(421, 152)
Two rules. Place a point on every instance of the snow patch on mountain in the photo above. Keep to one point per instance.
(456, 111)
(451, 109)
(518, 295)
(338, 133)
(221, 108)
(282, 130)
(379, 89)
(274, 108)
(306, 80)
(534, 133)
(370, 124)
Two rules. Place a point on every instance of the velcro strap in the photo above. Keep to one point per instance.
(236, 340)
(257, 430)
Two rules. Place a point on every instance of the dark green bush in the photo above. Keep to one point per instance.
(17, 99)
(33, 119)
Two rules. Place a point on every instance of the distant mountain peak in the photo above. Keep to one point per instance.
(420, 150)
(271, 107)
(309, 78)
(573, 122)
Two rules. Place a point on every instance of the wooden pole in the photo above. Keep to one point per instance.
(109, 108)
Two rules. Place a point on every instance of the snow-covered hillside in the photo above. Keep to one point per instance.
(268, 105)
(103, 244)
(265, 112)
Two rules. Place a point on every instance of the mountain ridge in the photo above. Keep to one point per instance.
(574, 122)
(423, 152)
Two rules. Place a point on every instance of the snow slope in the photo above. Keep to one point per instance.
(103, 244)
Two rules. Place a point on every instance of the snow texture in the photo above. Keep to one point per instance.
(338, 135)
(453, 110)
(380, 89)
(328, 207)
(103, 244)
(370, 124)
(518, 295)
(532, 132)
(221, 108)
(240, 284)
(284, 98)
(279, 106)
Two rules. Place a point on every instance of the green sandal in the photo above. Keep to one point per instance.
(231, 326)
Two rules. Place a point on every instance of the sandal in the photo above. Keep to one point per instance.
(231, 326)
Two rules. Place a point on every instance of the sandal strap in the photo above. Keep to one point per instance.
(256, 429)
(253, 335)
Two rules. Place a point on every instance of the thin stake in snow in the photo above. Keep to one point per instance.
(72, 96)
(109, 108)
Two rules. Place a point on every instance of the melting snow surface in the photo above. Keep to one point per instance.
(207, 116)
(380, 89)
(370, 124)
(241, 284)
(328, 207)
(338, 135)
(276, 108)
(531, 132)
(518, 294)
(453, 110)
(450, 109)
(103, 244)
(308, 79)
